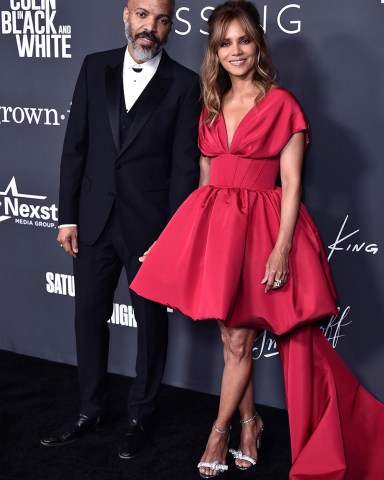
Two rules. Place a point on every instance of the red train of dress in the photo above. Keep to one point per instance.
(208, 264)
(336, 426)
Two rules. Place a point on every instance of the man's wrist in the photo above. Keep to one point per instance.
(67, 225)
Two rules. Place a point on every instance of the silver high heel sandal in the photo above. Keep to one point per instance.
(239, 455)
(215, 465)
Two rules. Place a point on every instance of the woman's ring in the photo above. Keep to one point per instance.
(278, 283)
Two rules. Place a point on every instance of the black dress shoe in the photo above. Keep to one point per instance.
(71, 432)
(134, 440)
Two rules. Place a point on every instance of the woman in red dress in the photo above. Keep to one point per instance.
(245, 252)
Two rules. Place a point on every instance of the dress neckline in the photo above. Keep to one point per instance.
(229, 145)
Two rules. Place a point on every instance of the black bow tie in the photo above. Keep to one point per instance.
(137, 69)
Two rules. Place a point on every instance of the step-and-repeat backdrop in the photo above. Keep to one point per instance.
(330, 54)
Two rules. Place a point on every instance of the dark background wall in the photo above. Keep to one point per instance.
(328, 53)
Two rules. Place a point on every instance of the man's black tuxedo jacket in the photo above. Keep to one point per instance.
(155, 169)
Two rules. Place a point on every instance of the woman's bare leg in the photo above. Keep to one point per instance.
(238, 345)
(250, 430)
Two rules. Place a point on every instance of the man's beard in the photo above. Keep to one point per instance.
(143, 53)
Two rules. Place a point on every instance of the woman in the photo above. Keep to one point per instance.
(245, 252)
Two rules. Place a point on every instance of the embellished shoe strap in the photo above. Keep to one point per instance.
(218, 467)
(218, 430)
(239, 455)
(243, 422)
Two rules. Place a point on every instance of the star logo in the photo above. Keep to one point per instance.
(11, 189)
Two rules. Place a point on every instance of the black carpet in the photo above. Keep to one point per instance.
(37, 396)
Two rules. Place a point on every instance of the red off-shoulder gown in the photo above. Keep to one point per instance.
(208, 264)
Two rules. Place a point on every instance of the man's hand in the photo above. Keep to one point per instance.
(67, 239)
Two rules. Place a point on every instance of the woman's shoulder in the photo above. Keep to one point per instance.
(282, 96)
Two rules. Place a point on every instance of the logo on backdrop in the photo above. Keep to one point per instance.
(26, 209)
(286, 18)
(32, 22)
(31, 116)
(347, 241)
(333, 330)
(62, 284)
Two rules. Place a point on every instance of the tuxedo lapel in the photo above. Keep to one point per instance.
(149, 100)
(113, 86)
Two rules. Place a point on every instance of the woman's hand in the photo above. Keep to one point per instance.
(144, 256)
(276, 269)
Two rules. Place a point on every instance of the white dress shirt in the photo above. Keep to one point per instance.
(134, 83)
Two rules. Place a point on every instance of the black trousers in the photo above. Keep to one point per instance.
(97, 270)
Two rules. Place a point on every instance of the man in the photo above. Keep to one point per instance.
(129, 159)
